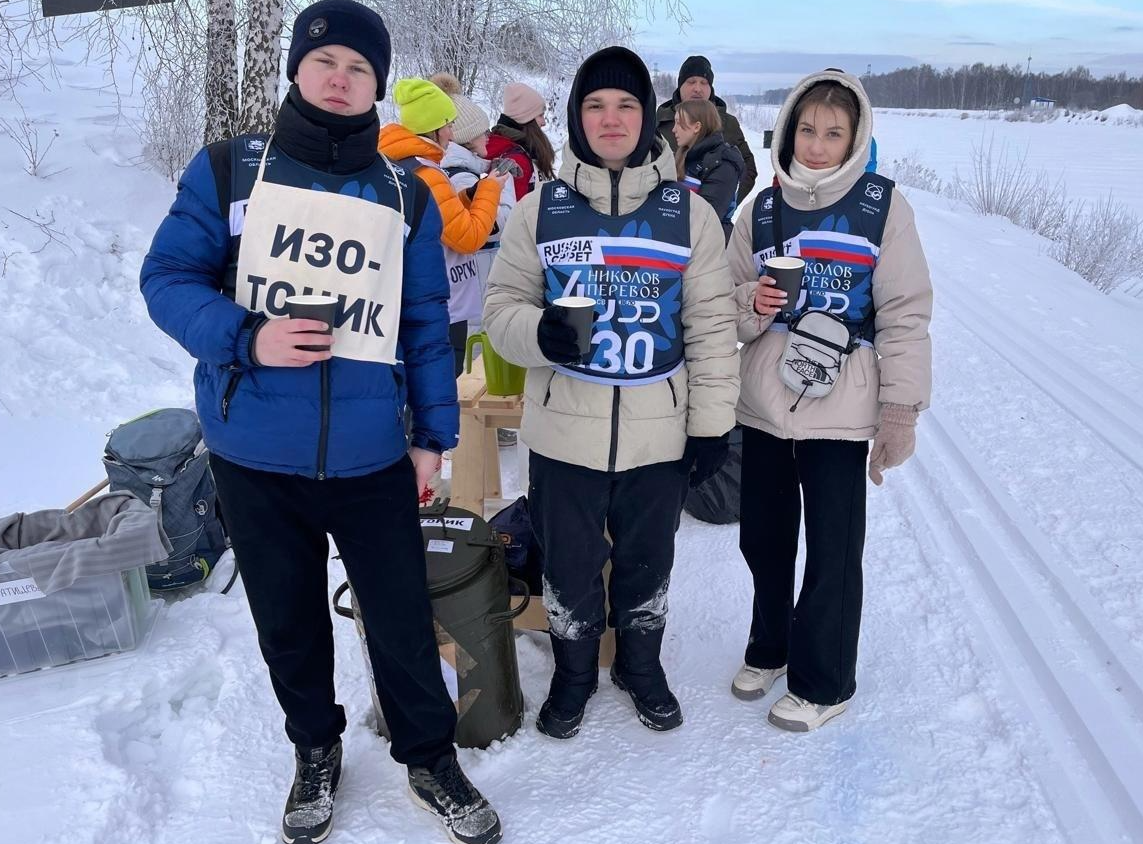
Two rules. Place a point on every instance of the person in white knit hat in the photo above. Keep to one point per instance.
(466, 161)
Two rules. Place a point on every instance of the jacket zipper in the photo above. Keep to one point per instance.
(614, 429)
(323, 437)
(674, 396)
(614, 390)
(548, 393)
(228, 394)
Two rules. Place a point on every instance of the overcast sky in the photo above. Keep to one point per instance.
(759, 44)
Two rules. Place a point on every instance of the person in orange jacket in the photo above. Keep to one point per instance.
(418, 142)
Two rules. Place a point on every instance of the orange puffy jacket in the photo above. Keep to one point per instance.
(468, 220)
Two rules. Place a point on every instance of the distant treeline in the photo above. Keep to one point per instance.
(984, 86)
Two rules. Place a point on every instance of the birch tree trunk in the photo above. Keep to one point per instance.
(221, 72)
(261, 66)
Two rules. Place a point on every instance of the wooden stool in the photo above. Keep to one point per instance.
(476, 459)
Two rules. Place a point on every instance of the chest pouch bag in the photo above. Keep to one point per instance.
(817, 345)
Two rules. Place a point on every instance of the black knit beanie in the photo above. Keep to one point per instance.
(696, 66)
(612, 67)
(345, 23)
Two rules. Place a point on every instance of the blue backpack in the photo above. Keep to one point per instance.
(160, 458)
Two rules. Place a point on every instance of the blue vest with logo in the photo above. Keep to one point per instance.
(374, 184)
(632, 265)
(840, 244)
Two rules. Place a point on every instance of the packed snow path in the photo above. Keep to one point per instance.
(1077, 678)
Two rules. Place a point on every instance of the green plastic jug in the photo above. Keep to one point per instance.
(503, 378)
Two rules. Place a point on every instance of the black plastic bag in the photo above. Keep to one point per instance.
(719, 500)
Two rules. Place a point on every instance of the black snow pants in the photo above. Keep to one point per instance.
(278, 525)
(817, 636)
(571, 506)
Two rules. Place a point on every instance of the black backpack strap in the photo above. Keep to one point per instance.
(777, 224)
(221, 155)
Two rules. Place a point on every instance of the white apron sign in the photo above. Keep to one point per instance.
(299, 241)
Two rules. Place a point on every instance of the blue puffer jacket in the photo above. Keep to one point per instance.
(337, 420)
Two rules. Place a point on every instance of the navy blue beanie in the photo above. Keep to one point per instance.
(345, 23)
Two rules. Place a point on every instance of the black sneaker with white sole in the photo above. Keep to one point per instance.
(308, 817)
(445, 791)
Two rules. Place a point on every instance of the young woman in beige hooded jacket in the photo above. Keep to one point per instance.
(863, 264)
(614, 434)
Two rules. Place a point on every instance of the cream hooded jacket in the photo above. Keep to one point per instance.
(605, 427)
(898, 369)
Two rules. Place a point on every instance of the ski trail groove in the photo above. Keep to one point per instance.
(1079, 680)
(1084, 394)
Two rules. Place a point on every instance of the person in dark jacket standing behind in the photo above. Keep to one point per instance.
(306, 443)
(696, 82)
(704, 161)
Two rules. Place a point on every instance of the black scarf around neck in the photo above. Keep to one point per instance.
(327, 141)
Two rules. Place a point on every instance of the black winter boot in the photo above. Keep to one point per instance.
(308, 817)
(576, 679)
(638, 672)
(445, 791)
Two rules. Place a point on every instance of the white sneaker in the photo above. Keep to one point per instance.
(800, 716)
(751, 683)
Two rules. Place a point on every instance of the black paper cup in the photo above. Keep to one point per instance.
(320, 308)
(581, 316)
(787, 272)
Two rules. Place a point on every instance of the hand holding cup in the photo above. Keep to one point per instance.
(580, 314)
(785, 274)
(303, 338)
(768, 298)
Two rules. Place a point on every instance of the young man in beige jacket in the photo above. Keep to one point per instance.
(616, 433)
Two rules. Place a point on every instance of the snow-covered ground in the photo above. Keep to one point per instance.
(1000, 683)
(1091, 158)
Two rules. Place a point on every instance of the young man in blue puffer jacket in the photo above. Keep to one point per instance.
(309, 442)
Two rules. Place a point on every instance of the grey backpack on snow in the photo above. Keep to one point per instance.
(160, 458)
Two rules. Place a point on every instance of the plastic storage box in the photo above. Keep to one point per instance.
(74, 586)
(93, 617)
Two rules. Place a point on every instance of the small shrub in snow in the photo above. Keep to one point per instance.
(1046, 210)
(173, 121)
(912, 173)
(1102, 242)
(25, 134)
(1001, 182)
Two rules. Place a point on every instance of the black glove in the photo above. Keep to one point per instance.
(557, 338)
(706, 455)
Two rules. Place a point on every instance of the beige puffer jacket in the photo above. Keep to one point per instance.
(605, 427)
(898, 370)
